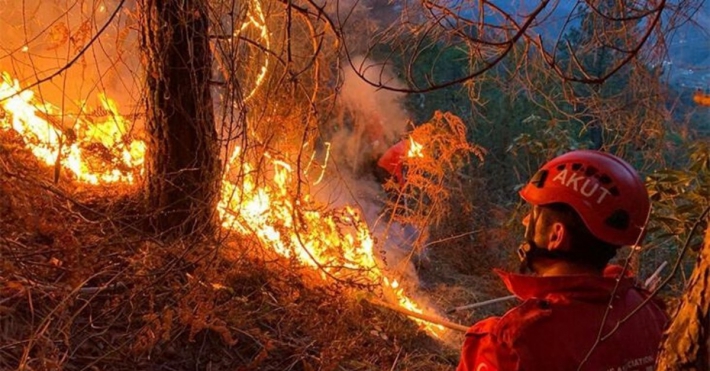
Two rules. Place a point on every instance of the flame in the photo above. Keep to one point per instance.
(337, 243)
(95, 152)
(415, 149)
(701, 97)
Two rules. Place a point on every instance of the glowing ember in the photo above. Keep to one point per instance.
(257, 20)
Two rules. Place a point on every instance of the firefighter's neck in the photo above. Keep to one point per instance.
(558, 238)
(546, 267)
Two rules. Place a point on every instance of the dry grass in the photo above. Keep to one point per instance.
(81, 288)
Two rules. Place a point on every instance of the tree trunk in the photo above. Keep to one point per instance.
(685, 346)
(182, 163)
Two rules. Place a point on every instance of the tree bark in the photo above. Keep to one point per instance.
(182, 162)
(686, 341)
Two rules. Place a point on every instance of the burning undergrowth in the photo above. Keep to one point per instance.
(86, 290)
(288, 284)
(83, 287)
(267, 197)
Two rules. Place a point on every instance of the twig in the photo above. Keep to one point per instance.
(653, 280)
(77, 57)
(93, 290)
(452, 238)
(480, 304)
(421, 316)
(396, 359)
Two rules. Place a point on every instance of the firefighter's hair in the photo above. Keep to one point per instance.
(585, 247)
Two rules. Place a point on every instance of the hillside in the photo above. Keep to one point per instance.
(82, 288)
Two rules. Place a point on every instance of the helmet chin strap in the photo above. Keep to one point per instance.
(529, 249)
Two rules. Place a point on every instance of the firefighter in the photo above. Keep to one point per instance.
(584, 206)
(391, 165)
(392, 161)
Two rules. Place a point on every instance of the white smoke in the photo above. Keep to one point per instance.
(372, 120)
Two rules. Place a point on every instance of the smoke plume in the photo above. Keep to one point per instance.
(371, 120)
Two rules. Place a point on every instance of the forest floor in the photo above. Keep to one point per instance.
(82, 288)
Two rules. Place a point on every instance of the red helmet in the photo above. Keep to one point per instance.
(603, 189)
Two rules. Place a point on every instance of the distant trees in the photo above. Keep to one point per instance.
(620, 32)
(582, 67)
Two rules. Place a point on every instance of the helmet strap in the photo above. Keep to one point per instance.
(525, 253)
(528, 249)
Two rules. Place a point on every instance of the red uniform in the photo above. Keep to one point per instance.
(393, 160)
(558, 323)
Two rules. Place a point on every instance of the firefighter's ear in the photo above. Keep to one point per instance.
(558, 238)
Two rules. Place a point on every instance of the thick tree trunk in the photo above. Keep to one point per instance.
(686, 341)
(182, 163)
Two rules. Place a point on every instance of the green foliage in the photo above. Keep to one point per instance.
(434, 62)
(549, 140)
(523, 115)
(680, 195)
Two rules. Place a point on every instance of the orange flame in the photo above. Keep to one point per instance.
(701, 97)
(115, 160)
(337, 242)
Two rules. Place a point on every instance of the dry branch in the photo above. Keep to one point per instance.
(481, 304)
(421, 316)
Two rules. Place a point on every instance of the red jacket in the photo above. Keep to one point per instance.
(558, 322)
(393, 160)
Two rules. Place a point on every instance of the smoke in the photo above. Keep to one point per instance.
(56, 43)
(370, 121)
(360, 95)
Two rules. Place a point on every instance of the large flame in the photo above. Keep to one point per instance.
(337, 242)
(95, 148)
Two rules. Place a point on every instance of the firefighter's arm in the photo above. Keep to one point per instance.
(483, 351)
